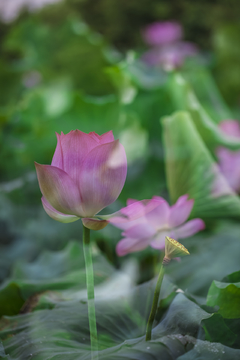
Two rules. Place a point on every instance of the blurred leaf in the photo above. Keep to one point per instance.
(207, 92)
(225, 43)
(11, 299)
(57, 51)
(135, 141)
(217, 331)
(2, 352)
(227, 297)
(52, 271)
(191, 170)
(232, 278)
(210, 351)
(185, 99)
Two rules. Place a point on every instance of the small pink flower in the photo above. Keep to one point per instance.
(167, 49)
(155, 220)
(87, 174)
(161, 33)
(229, 161)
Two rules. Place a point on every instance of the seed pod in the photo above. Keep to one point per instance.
(173, 249)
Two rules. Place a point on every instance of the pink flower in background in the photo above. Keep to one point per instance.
(155, 223)
(167, 48)
(87, 174)
(161, 33)
(229, 161)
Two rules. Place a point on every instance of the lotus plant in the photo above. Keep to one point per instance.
(87, 174)
(153, 225)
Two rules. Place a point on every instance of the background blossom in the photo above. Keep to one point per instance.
(157, 223)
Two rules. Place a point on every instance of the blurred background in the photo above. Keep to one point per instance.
(93, 66)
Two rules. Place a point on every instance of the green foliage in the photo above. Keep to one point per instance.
(226, 296)
(57, 75)
(185, 99)
(192, 170)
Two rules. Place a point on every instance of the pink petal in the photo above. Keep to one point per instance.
(230, 127)
(104, 138)
(131, 201)
(139, 231)
(56, 215)
(134, 209)
(159, 241)
(75, 147)
(58, 155)
(128, 245)
(133, 214)
(102, 176)
(158, 217)
(59, 189)
(229, 164)
(180, 211)
(94, 224)
(190, 228)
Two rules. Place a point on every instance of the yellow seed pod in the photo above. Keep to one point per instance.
(173, 249)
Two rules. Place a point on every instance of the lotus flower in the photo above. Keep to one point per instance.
(229, 161)
(155, 224)
(167, 48)
(87, 174)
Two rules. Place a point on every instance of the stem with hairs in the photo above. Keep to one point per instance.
(90, 292)
(154, 304)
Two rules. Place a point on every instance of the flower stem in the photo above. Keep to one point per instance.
(154, 304)
(90, 292)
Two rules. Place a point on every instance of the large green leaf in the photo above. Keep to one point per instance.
(53, 271)
(63, 331)
(185, 99)
(216, 330)
(206, 90)
(227, 297)
(191, 170)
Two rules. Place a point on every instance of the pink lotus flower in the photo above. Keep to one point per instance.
(87, 174)
(167, 48)
(155, 223)
(229, 161)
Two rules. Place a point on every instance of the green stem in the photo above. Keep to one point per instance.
(154, 304)
(90, 292)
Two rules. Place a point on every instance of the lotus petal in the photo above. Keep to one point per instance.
(188, 229)
(139, 231)
(159, 241)
(158, 217)
(75, 147)
(59, 190)
(102, 176)
(56, 215)
(180, 211)
(128, 245)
